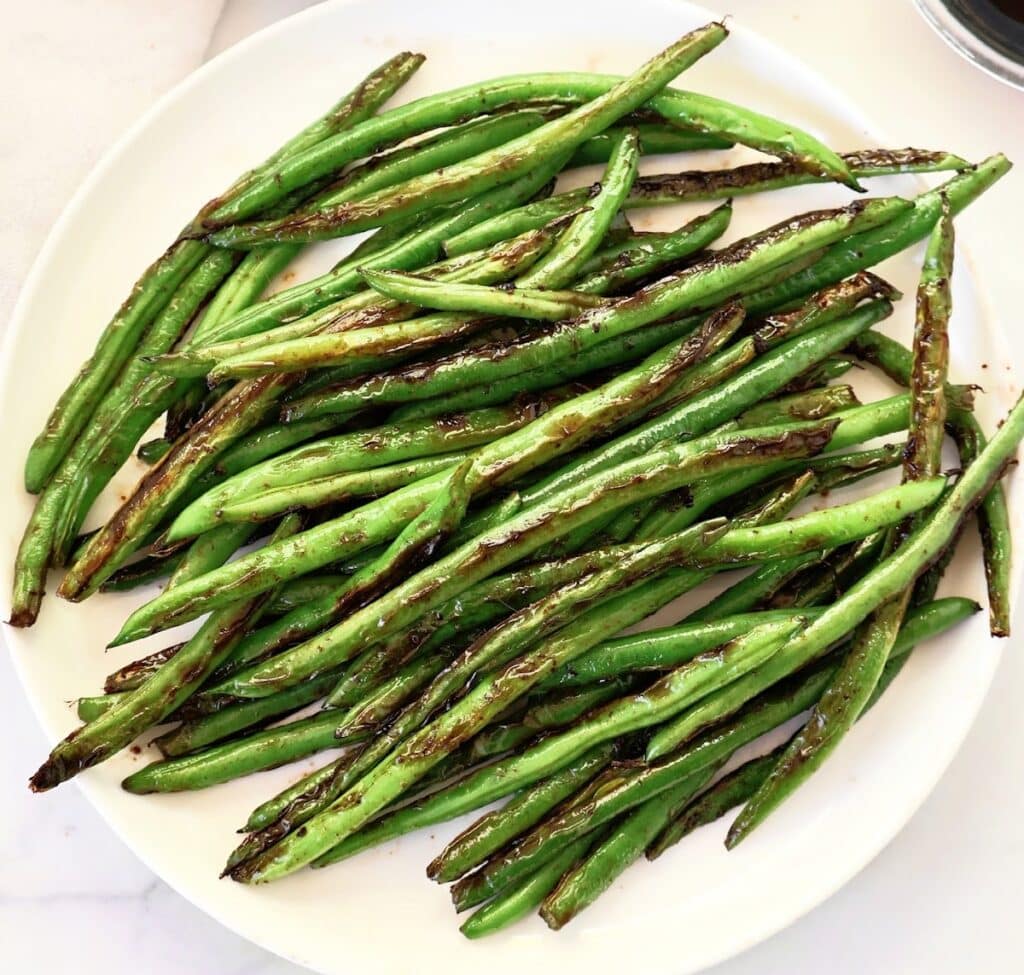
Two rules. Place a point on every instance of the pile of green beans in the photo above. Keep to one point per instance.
(427, 491)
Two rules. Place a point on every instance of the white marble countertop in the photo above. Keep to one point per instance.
(941, 899)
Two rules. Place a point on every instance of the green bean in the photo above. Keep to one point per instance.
(770, 710)
(425, 748)
(131, 675)
(519, 302)
(297, 806)
(714, 406)
(376, 447)
(728, 792)
(248, 281)
(152, 450)
(694, 186)
(74, 409)
(492, 831)
(198, 733)
(500, 739)
(597, 871)
(138, 710)
(618, 791)
(416, 247)
(236, 414)
(143, 571)
(826, 528)
(372, 712)
(993, 524)
(480, 606)
(993, 517)
(648, 256)
(863, 250)
(365, 313)
(716, 276)
(244, 756)
(561, 265)
(90, 708)
(661, 649)
(339, 488)
(700, 113)
(828, 583)
(266, 442)
(564, 707)
(92, 460)
(488, 168)
(878, 585)
(365, 308)
(151, 293)
(377, 347)
(528, 531)
(810, 405)
(738, 786)
(759, 585)
(506, 458)
(761, 176)
(655, 140)
(450, 146)
(210, 550)
(412, 748)
(861, 669)
(648, 599)
(484, 170)
(301, 591)
(520, 900)
(366, 350)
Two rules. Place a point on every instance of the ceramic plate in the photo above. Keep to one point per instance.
(378, 913)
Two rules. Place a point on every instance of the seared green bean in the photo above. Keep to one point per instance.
(696, 286)
(520, 900)
(878, 585)
(492, 831)
(598, 870)
(864, 250)
(504, 459)
(861, 669)
(139, 709)
(254, 753)
(770, 710)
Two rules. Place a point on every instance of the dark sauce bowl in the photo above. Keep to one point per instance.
(989, 33)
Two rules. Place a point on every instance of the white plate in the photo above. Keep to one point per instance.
(377, 913)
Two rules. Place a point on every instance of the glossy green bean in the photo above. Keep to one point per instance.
(375, 447)
(504, 459)
(520, 900)
(727, 793)
(532, 528)
(586, 232)
(602, 865)
(232, 760)
(864, 250)
(138, 710)
(861, 669)
(198, 733)
(454, 145)
(877, 586)
(236, 414)
(715, 277)
(297, 806)
(492, 831)
(696, 414)
(770, 710)
(993, 516)
(151, 293)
